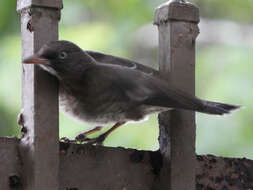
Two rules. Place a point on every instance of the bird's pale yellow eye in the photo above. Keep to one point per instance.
(63, 55)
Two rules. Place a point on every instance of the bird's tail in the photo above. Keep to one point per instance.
(217, 108)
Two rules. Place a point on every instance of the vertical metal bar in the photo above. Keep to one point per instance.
(177, 24)
(40, 143)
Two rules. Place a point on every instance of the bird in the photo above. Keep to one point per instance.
(102, 89)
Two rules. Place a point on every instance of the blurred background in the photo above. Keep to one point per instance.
(224, 68)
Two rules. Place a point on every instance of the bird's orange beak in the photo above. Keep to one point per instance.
(35, 59)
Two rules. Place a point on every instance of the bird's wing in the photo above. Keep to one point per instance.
(110, 59)
(147, 89)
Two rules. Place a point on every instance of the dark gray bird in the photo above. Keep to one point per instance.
(102, 89)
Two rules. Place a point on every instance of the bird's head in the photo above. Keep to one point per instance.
(60, 57)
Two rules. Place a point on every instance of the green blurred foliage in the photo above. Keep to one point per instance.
(240, 11)
(8, 18)
(223, 73)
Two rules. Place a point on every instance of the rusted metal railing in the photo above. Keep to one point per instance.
(38, 161)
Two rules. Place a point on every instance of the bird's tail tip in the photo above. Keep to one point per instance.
(220, 108)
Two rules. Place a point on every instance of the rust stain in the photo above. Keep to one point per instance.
(20, 120)
(180, 35)
(63, 152)
(24, 130)
(29, 26)
(29, 12)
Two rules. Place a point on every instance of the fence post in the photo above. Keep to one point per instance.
(39, 146)
(177, 24)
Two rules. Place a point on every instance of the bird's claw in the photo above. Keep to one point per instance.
(98, 140)
(67, 140)
(82, 138)
(78, 139)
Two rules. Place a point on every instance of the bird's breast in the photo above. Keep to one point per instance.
(89, 112)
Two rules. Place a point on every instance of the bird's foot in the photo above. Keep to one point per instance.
(67, 140)
(82, 138)
(101, 138)
(98, 140)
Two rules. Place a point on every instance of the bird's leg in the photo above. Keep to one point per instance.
(100, 139)
(81, 137)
